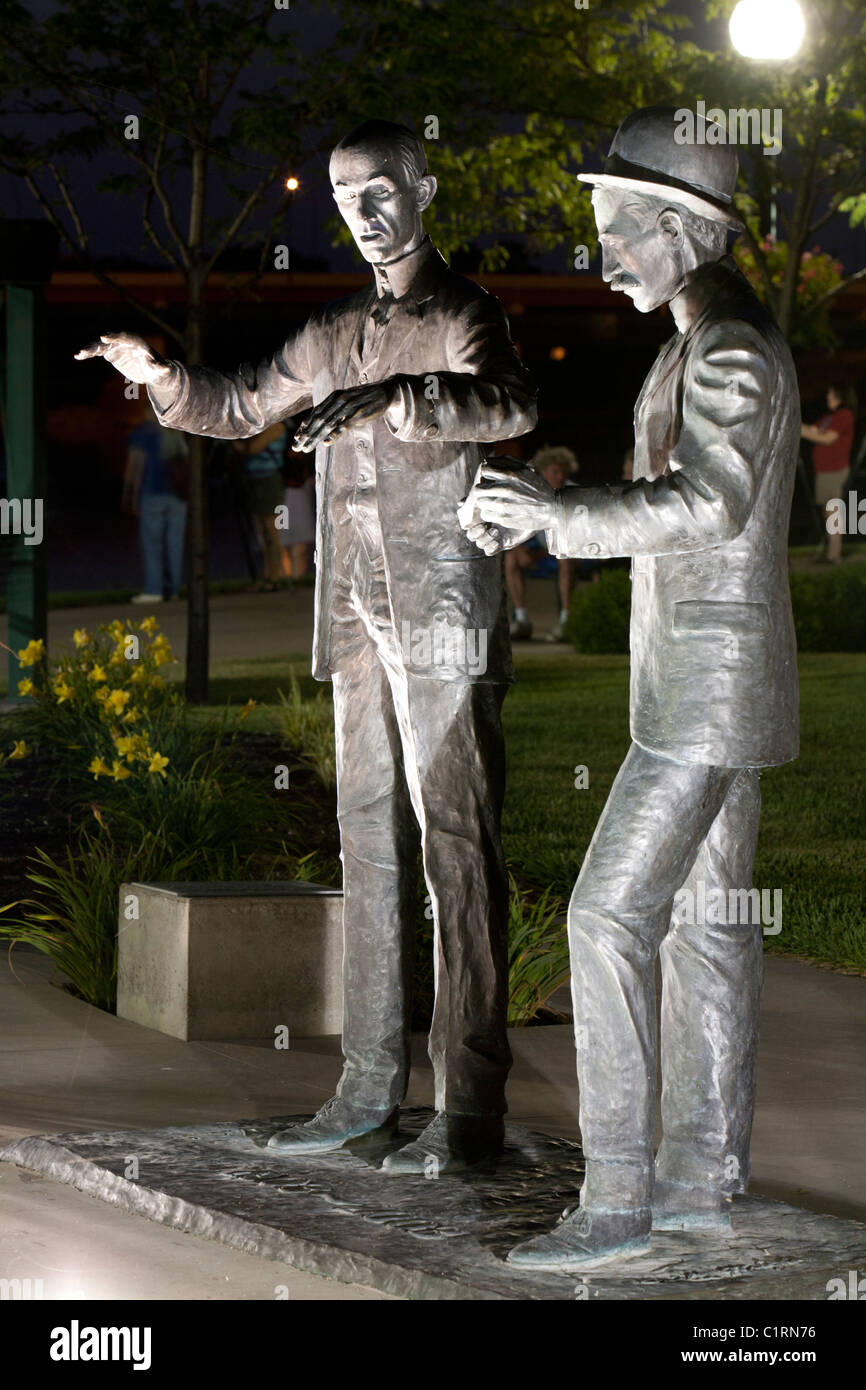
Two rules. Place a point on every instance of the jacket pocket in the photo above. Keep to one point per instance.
(706, 615)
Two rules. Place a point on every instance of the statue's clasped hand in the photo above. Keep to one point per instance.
(506, 506)
(342, 411)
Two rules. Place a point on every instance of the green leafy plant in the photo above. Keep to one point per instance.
(74, 920)
(598, 615)
(538, 961)
(818, 278)
(308, 725)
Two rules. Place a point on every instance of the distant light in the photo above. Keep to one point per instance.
(767, 28)
(292, 184)
(558, 354)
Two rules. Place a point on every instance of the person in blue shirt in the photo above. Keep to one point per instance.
(155, 489)
(264, 455)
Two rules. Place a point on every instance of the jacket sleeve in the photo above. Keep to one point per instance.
(707, 495)
(486, 393)
(240, 404)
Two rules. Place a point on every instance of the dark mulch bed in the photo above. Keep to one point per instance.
(31, 817)
(33, 814)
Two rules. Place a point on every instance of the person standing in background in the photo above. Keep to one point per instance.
(558, 465)
(264, 456)
(833, 437)
(155, 489)
(298, 538)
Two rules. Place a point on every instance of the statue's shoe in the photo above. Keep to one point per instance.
(335, 1124)
(683, 1207)
(585, 1238)
(449, 1144)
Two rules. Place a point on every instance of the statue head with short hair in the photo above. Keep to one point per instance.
(381, 186)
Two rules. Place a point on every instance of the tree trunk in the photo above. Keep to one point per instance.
(198, 613)
(803, 205)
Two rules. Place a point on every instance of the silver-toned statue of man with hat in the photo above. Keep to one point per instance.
(713, 700)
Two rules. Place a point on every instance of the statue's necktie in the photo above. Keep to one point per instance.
(381, 310)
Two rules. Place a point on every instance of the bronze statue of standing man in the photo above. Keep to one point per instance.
(713, 700)
(402, 382)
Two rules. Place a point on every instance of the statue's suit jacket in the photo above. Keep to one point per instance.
(425, 452)
(717, 428)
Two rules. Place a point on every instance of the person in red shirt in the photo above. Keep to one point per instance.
(833, 437)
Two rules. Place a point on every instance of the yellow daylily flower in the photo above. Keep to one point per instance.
(125, 744)
(99, 767)
(97, 674)
(26, 687)
(157, 763)
(80, 637)
(118, 771)
(19, 749)
(148, 625)
(131, 716)
(116, 629)
(62, 691)
(247, 708)
(33, 652)
(117, 700)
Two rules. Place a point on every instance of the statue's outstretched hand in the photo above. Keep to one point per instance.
(505, 507)
(131, 355)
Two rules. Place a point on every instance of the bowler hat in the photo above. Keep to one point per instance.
(646, 156)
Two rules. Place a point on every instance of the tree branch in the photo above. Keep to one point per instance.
(94, 269)
(244, 212)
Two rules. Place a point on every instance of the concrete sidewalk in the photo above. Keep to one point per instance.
(69, 1067)
(245, 626)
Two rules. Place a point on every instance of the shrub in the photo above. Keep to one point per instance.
(829, 611)
(170, 799)
(598, 615)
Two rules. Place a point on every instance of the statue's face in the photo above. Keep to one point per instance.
(642, 252)
(379, 205)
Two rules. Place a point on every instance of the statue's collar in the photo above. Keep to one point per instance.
(399, 276)
(689, 304)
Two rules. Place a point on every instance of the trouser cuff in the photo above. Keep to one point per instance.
(614, 1186)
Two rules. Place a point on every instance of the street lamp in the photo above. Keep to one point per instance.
(767, 28)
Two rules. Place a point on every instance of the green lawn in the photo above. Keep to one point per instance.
(572, 710)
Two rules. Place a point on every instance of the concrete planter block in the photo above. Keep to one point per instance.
(230, 960)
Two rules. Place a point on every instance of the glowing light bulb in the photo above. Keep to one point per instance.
(767, 28)
(292, 184)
